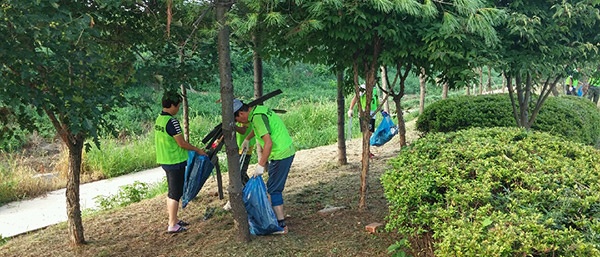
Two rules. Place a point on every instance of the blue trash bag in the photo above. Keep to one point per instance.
(197, 171)
(261, 217)
(384, 132)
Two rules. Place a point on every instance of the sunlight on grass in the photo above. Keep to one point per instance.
(19, 180)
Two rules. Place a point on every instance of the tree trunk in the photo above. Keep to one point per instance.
(370, 69)
(504, 82)
(480, 80)
(385, 86)
(342, 155)
(258, 77)
(445, 91)
(235, 183)
(423, 87)
(401, 122)
(489, 80)
(74, 223)
(186, 115)
(258, 69)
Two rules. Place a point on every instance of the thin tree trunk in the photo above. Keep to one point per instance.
(401, 122)
(480, 69)
(258, 69)
(445, 91)
(385, 86)
(342, 155)
(489, 80)
(423, 89)
(258, 77)
(235, 183)
(370, 69)
(186, 115)
(74, 223)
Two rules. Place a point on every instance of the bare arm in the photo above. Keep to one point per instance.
(264, 158)
(187, 146)
(353, 102)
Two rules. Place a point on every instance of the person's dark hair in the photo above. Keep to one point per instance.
(244, 108)
(170, 98)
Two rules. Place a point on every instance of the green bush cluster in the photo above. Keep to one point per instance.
(497, 192)
(127, 195)
(574, 118)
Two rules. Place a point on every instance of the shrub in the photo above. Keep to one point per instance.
(497, 192)
(127, 195)
(574, 118)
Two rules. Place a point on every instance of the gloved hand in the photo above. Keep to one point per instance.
(258, 171)
(350, 112)
(245, 145)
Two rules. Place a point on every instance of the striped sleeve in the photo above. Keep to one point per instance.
(173, 127)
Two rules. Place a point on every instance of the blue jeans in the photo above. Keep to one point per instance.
(278, 173)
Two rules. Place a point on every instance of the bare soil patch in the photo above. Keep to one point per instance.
(316, 181)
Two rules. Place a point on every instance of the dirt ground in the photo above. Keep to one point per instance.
(315, 182)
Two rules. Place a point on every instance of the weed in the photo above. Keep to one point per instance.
(127, 194)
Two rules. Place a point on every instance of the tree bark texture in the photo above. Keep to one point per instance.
(74, 223)
(423, 90)
(369, 64)
(401, 122)
(235, 183)
(342, 155)
(258, 77)
(445, 91)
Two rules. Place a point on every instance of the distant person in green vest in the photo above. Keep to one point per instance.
(363, 103)
(246, 146)
(171, 154)
(593, 92)
(572, 82)
(278, 150)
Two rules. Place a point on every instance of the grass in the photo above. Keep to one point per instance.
(312, 121)
(138, 229)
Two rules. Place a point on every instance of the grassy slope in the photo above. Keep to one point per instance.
(316, 181)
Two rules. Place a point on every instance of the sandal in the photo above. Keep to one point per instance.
(182, 223)
(175, 229)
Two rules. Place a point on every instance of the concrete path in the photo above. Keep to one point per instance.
(24, 216)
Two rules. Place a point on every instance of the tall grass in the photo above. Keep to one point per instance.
(18, 180)
(115, 158)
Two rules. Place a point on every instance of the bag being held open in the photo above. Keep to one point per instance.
(261, 218)
(384, 132)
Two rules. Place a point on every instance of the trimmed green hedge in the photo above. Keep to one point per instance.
(575, 118)
(497, 192)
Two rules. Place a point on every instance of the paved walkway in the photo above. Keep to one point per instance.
(24, 216)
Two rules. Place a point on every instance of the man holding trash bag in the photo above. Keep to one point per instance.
(172, 155)
(278, 150)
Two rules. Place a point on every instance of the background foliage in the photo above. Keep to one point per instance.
(574, 118)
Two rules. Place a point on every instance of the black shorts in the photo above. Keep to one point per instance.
(175, 178)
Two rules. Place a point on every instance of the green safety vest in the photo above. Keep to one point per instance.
(167, 149)
(374, 100)
(239, 137)
(265, 121)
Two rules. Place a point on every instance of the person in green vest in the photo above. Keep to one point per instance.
(278, 150)
(171, 154)
(593, 92)
(245, 145)
(363, 103)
